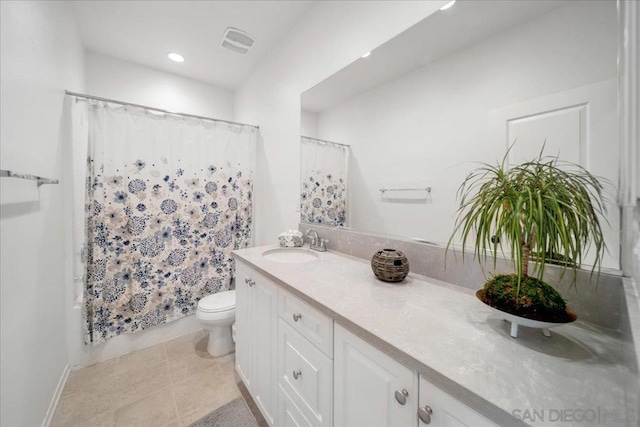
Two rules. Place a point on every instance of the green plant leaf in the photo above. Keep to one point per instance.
(545, 209)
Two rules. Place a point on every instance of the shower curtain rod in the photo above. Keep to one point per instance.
(113, 101)
(325, 141)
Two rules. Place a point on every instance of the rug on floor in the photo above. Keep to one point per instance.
(233, 414)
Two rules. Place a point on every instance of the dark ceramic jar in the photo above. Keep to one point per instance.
(390, 265)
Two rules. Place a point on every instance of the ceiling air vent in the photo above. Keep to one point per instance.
(237, 41)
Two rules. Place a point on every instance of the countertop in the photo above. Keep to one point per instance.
(445, 334)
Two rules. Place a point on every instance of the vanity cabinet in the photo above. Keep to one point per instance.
(304, 370)
(371, 389)
(256, 335)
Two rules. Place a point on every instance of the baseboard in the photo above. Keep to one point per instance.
(56, 397)
(120, 345)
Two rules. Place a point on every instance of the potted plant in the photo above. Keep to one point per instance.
(547, 211)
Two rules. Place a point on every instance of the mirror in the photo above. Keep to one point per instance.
(458, 88)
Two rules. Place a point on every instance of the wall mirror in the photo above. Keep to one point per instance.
(419, 111)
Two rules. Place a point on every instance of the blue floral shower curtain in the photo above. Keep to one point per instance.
(167, 200)
(323, 188)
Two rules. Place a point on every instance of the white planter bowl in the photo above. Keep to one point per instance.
(523, 321)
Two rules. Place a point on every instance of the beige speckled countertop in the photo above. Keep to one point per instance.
(445, 334)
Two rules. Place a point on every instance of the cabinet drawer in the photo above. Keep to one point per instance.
(312, 324)
(288, 413)
(446, 410)
(306, 374)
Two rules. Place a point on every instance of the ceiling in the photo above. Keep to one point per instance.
(145, 31)
(441, 34)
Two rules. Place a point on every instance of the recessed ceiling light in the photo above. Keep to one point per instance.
(175, 57)
(448, 5)
(366, 54)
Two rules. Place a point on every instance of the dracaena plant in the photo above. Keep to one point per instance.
(543, 209)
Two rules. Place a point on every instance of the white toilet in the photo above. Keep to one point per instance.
(217, 313)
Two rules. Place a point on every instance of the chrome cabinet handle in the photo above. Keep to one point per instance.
(251, 282)
(401, 396)
(246, 280)
(297, 316)
(425, 414)
(297, 374)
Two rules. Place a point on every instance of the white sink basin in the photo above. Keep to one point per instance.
(290, 255)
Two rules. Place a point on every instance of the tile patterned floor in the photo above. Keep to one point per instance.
(170, 384)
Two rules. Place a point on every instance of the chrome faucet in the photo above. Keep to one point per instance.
(317, 244)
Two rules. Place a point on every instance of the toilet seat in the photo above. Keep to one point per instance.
(222, 301)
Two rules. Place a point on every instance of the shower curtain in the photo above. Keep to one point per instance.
(167, 199)
(323, 172)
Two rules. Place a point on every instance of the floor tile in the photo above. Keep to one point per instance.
(81, 408)
(99, 376)
(200, 394)
(170, 384)
(156, 409)
(228, 393)
(228, 365)
(139, 359)
(189, 364)
(104, 419)
(186, 344)
(133, 385)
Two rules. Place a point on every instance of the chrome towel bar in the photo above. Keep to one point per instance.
(384, 190)
(40, 180)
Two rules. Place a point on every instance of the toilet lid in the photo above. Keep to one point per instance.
(222, 301)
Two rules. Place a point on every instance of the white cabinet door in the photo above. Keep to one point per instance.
(264, 317)
(256, 338)
(244, 336)
(365, 385)
(446, 411)
(289, 415)
(306, 374)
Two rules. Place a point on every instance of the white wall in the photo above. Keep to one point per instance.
(271, 99)
(114, 78)
(41, 56)
(308, 124)
(327, 38)
(425, 128)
